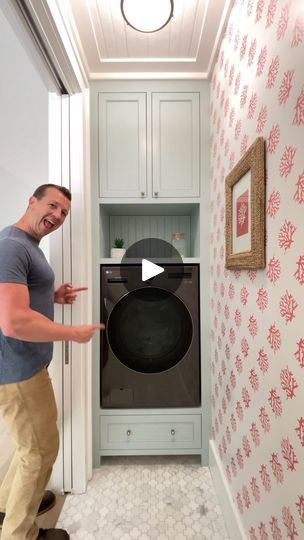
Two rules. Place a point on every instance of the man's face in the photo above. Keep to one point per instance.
(47, 214)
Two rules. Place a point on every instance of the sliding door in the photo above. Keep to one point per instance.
(45, 134)
(35, 149)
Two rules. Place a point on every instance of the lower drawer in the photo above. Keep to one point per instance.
(126, 432)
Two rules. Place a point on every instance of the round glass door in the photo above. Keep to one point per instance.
(150, 330)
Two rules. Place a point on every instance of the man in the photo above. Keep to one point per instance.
(27, 331)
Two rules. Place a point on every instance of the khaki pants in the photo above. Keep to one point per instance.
(29, 411)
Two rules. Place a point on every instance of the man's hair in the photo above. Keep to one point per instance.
(40, 192)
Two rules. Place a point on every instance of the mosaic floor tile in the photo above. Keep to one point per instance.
(146, 498)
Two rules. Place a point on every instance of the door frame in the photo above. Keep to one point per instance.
(51, 34)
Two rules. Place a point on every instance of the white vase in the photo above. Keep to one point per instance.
(117, 253)
(179, 243)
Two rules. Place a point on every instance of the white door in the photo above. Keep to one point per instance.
(70, 257)
(60, 260)
(34, 149)
(31, 140)
(65, 161)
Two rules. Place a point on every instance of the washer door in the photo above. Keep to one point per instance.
(150, 330)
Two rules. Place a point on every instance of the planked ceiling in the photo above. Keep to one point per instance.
(109, 48)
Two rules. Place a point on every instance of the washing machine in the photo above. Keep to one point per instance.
(150, 350)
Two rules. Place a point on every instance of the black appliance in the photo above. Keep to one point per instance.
(150, 350)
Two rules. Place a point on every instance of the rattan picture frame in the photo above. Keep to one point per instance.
(245, 210)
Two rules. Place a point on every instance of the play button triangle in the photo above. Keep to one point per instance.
(149, 270)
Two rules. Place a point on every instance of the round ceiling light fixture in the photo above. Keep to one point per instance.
(147, 15)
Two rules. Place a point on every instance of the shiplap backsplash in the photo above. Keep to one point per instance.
(135, 228)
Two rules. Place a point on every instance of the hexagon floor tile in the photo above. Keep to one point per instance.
(146, 498)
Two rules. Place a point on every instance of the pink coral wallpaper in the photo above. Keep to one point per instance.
(257, 317)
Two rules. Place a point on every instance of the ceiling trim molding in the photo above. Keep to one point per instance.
(58, 31)
(138, 60)
(131, 75)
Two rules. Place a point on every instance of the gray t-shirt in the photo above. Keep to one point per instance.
(23, 262)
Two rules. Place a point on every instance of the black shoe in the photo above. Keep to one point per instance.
(48, 501)
(52, 534)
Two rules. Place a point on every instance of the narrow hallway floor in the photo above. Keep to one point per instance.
(146, 498)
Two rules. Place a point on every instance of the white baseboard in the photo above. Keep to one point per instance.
(231, 516)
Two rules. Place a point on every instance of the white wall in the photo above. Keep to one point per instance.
(23, 139)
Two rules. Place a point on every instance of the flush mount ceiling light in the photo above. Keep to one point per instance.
(147, 15)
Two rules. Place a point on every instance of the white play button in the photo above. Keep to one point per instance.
(149, 270)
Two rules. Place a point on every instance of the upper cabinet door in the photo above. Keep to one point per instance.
(122, 144)
(176, 144)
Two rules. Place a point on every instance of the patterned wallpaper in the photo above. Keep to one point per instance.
(257, 317)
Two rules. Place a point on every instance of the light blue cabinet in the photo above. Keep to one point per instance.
(155, 432)
(175, 144)
(148, 145)
(150, 178)
(122, 144)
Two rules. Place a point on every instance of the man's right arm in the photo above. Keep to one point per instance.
(19, 321)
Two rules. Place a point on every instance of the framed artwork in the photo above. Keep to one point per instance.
(245, 210)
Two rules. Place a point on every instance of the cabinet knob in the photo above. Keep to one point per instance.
(129, 432)
(155, 193)
(143, 194)
(172, 432)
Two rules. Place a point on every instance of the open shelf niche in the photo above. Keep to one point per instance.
(134, 222)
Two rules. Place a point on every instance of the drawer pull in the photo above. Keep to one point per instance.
(143, 194)
(155, 193)
(172, 432)
(129, 432)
